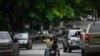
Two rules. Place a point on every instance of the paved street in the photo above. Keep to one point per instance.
(38, 50)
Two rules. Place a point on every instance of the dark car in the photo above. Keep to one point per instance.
(7, 45)
(23, 40)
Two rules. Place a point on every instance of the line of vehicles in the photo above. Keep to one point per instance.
(73, 38)
(88, 41)
(9, 45)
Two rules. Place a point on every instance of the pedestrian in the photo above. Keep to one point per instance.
(49, 42)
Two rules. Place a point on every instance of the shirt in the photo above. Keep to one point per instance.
(48, 43)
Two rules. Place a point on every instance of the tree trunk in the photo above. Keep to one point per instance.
(46, 25)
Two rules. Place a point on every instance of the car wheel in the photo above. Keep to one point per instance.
(30, 47)
(15, 51)
(69, 50)
(83, 52)
(27, 47)
(65, 49)
(87, 54)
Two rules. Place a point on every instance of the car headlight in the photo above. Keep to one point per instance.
(69, 41)
(25, 42)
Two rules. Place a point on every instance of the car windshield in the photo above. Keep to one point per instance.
(21, 36)
(94, 28)
(74, 34)
(71, 34)
(3, 36)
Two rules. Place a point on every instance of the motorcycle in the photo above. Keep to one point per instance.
(54, 52)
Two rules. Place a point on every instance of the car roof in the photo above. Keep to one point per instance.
(3, 32)
(22, 33)
(93, 27)
(25, 35)
(75, 30)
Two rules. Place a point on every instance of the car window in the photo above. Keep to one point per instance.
(71, 33)
(74, 33)
(3, 36)
(77, 33)
(94, 28)
(21, 36)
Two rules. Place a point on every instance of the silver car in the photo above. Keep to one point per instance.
(7, 45)
(72, 40)
(90, 40)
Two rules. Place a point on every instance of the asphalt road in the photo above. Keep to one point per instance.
(39, 48)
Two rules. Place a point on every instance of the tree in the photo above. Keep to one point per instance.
(42, 12)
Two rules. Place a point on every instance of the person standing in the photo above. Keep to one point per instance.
(49, 42)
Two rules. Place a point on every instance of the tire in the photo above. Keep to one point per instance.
(30, 47)
(88, 54)
(30, 44)
(16, 51)
(65, 49)
(69, 50)
(83, 52)
(27, 47)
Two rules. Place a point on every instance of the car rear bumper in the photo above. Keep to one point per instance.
(6, 52)
(92, 48)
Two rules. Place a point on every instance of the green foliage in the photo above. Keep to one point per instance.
(40, 11)
(53, 10)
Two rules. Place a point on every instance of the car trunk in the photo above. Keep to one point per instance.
(94, 38)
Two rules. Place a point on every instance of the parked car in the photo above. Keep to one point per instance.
(34, 36)
(23, 40)
(7, 45)
(90, 18)
(90, 40)
(57, 32)
(72, 40)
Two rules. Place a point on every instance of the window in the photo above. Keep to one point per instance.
(74, 33)
(94, 28)
(77, 33)
(21, 36)
(4, 36)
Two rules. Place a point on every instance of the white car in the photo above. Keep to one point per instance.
(90, 18)
(23, 40)
(72, 40)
